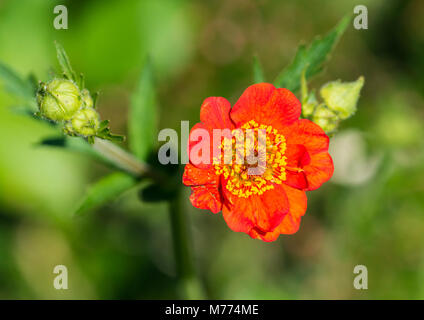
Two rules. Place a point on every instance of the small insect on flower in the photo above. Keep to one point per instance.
(272, 200)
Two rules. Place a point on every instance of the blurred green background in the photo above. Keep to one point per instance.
(370, 213)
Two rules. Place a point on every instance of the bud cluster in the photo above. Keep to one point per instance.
(339, 103)
(61, 100)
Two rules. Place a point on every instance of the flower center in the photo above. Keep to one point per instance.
(255, 164)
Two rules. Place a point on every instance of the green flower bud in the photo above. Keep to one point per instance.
(86, 122)
(68, 129)
(309, 105)
(86, 98)
(59, 99)
(325, 118)
(342, 97)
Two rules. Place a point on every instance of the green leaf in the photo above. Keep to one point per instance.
(103, 125)
(115, 137)
(16, 85)
(310, 58)
(308, 99)
(81, 81)
(104, 133)
(26, 111)
(303, 87)
(143, 115)
(95, 99)
(76, 144)
(64, 62)
(33, 84)
(258, 74)
(106, 189)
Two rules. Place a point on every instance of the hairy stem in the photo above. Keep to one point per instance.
(126, 161)
(120, 157)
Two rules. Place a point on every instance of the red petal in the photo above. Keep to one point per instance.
(319, 170)
(314, 161)
(297, 180)
(266, 105)
(263, 212)
(194, 176)
(196, 155)
(291, 222)
(215, 113)
(308, 134)
(206, 197)
(297, 157)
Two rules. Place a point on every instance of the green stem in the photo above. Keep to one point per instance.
(190, 285)
(126, 161)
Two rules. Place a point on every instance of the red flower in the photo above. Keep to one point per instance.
(297, 160)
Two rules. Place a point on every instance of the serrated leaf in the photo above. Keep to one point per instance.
(258, 74)
(310, 58)
(64, 62)
(143, 115)
(105, 190)
(16, 85)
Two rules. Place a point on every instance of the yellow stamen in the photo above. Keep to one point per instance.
(240, 182)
